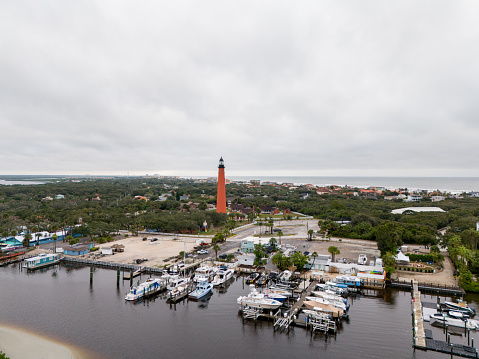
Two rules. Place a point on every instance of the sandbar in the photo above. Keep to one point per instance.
(20, 344)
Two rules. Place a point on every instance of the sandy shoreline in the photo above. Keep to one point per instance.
(20, 344)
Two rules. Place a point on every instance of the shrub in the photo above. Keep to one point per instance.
(94, 249)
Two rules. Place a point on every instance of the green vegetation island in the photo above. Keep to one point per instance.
(102, 207)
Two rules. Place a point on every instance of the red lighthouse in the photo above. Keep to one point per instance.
(221, 194)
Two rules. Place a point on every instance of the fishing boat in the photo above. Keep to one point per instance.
(461, 306)
(257, 300)
(222, 277)
(335, 289)
(263, 280)
(145, 289)
(281, 291)
(443, 319)
(202, 289)
(252, 278)
(204, 274)
(274, 295)
(40, 261)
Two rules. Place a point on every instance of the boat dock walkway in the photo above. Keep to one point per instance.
(428, 288)
(417, 322)
(423, 337)
(297, 306)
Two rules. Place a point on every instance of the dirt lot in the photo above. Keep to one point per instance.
(156, 252)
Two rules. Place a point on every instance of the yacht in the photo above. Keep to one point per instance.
(149, 287)
(202, 289)
(258, 300)
(222, 277)
(204, 274)
(175, 282)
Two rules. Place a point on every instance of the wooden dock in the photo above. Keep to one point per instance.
(417, 322)
(423, 339)
(133, 274)
(428, 288)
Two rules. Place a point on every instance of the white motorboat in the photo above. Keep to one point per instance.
(149, 287)
(461, 306)
(180, 290)
(273, 295)
(317, 314)
(335, 289)
(222, 277)
(337, 304)
(329, 295)
(204, 274)
(280, 291)
(258, 300)
(175, 282)
(453, 321)
(285, 276)
(202, 289)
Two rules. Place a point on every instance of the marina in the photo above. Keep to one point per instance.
(286, 328)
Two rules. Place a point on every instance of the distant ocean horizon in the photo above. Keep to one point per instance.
(448, 184)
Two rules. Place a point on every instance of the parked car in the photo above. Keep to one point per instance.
(202, 251)
(223, 256)
(154, 239)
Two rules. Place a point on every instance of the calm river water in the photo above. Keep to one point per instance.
(59, 303)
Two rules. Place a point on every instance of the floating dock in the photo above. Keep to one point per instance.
(422, 338)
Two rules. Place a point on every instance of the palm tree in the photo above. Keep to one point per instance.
(272, 243)
(333, 250)
(5, 234)
(280, 233)
(314, 255)
(216, 248)
(54, 237)
(260, 224)
(26, 239)
(310, 235)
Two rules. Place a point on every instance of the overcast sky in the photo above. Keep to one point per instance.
(360, 88)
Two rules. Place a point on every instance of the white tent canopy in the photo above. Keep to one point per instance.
(401, 257)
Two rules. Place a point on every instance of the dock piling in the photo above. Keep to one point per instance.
(118, 277)
(91, 274)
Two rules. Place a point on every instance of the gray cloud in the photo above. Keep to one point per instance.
(319, 88)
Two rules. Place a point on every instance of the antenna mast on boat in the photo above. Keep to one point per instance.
(184, 257)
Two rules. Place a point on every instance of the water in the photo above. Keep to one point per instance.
(449, 184)
(11, 182)
(60, 303)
